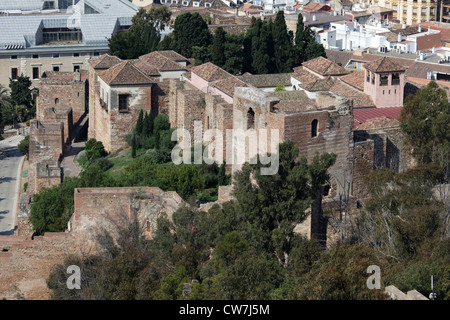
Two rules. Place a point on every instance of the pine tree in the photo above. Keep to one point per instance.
(218, 47)
(190, 30)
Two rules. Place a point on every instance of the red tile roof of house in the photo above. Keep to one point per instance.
(324, 67)
(105, 61)
(170, 54)
(443, 28)
(355, 79)
(124, 73)
(161, 62)
(228, 84)
(210, 72)
(314, 7)
(360, 116)
(384, 64)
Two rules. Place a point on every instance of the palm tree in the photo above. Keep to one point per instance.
(6, 105)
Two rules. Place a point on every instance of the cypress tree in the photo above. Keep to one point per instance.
(133, 146)
(300, 40)
(218, 47)
(145, 128)
(283, 48)
(150, 123)
(139, 123)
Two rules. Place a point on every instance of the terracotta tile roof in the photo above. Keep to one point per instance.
(228, 84)
(324, 67)
(444, 28)
(362, 115)
(306, 78)
(360, 99)
(172, 55)
(210, 72)
(104, 61)
(161, 62)
(267, 80)
(124, 73)
(420, 69)
(340, 57)
(355, 79)
(145, 68)
(375, 123)
(384, 64)
(314, 7)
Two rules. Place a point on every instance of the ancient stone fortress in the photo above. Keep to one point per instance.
(324, 108)
(26, 260)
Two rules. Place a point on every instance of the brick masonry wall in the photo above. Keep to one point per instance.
(363, 166)
(122, 123)
(26, 264)
(62, 94)
(26, 261)
(101, 208)
(46, 144)
(65, 115)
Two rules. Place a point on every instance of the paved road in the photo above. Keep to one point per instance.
(10, 166)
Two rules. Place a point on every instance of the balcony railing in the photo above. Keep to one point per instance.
(383, 82)
(395, 81)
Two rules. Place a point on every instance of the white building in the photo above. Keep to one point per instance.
(345, 35)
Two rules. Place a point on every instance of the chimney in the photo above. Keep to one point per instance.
(399, 37)
(429, 30)
(403, 25)
(419, 29)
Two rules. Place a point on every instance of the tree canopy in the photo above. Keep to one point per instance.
(425, 119)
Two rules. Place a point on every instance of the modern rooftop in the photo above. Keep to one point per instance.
(27, 25)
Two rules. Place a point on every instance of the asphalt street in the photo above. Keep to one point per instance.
(10, 167)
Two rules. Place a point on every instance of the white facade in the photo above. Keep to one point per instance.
(347, 36)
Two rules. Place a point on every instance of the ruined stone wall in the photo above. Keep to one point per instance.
(94, 90)
(62, 93)
(46, 144)
(190, 107)
(363, 166)
(122, 122)
(173, 103)
(104, 208)
(26, 264)
(26, 261)
(56, 115)
(48, 174)
(160, 97)
(390, 150)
